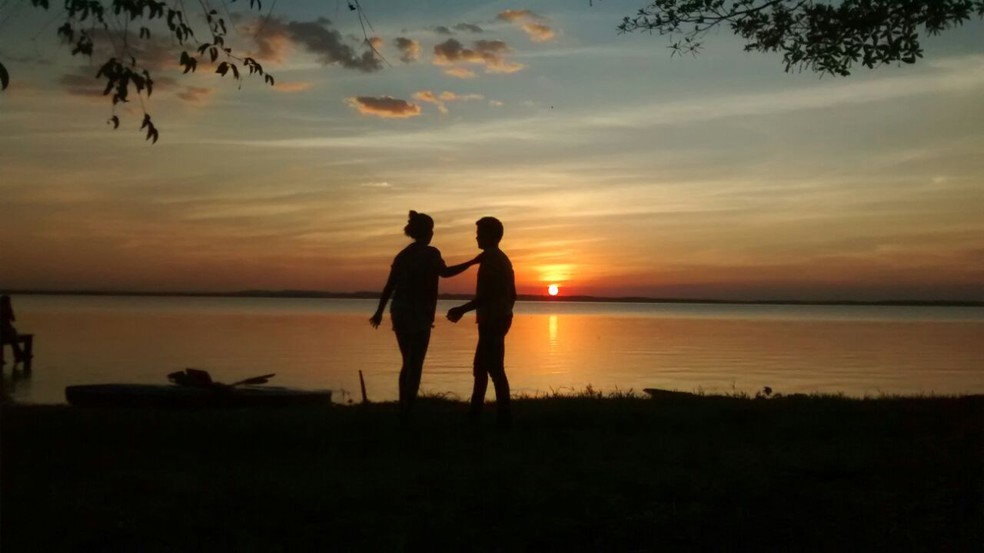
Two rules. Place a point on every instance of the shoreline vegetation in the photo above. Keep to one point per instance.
(577, 472)
(313, 294)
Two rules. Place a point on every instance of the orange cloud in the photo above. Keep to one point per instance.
(538, 32)
(272, 46)
(531, 23)
(409, 49)
(490, 53)
(516, 15)
(460, 72)
(293, 86)
(431, 98)
(384, 106)
(440, 100)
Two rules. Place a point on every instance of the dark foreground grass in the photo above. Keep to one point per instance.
(581, 473)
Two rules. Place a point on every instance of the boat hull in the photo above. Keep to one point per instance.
(149, 395)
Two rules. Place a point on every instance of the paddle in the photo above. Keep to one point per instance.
(263, 379)
(201, 379)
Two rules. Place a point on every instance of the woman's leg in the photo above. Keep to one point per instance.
(413, 346)
(403, 340)
(415, 368)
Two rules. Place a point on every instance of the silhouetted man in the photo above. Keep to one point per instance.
(495, 294)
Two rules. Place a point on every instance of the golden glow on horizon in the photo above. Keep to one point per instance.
(556, 274)
(553, 289)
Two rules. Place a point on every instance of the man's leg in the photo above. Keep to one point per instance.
(480, 372)
(497, 370)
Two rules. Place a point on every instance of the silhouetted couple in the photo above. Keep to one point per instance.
(413, 284)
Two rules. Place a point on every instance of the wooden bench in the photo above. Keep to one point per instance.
(27, 347)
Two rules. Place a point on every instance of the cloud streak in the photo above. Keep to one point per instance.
(196, 95)
(386, 107)
(290, 87)
(460, 72)
(441, 100)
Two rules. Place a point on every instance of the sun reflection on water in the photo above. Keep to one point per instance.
(552, 325)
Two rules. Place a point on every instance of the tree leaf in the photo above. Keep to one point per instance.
(4, 77)
(115, 121)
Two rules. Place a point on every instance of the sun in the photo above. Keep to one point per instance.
(553, 289)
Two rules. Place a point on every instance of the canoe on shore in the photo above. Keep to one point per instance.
(659, 393)
(152, 395)
(194, 388)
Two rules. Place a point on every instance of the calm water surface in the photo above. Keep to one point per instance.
(317, 344)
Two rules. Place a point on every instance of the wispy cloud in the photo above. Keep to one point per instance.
(384, 106)
(460, 72)
(82, 85)
(293, 86)
(964, 76)
(444, 30)
(468, 27)
(196, 95)
(441, 100)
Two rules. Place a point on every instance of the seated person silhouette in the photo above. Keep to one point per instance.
(8, 334)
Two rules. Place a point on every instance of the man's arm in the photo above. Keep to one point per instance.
(456, 313)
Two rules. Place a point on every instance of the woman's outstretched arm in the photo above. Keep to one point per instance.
(377, 317)
(455, 270)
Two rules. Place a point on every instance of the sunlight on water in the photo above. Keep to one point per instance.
(552, 347)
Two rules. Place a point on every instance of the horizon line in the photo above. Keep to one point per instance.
(315, 294)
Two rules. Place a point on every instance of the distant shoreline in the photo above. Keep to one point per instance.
(522, 297)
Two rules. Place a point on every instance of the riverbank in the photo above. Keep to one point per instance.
(574, 473)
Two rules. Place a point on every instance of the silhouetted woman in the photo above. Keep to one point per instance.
(413, 284)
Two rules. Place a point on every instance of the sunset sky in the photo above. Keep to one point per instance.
(616, 168)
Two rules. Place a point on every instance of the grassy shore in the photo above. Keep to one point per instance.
(574, 473)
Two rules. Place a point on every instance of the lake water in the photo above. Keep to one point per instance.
(553, 346)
